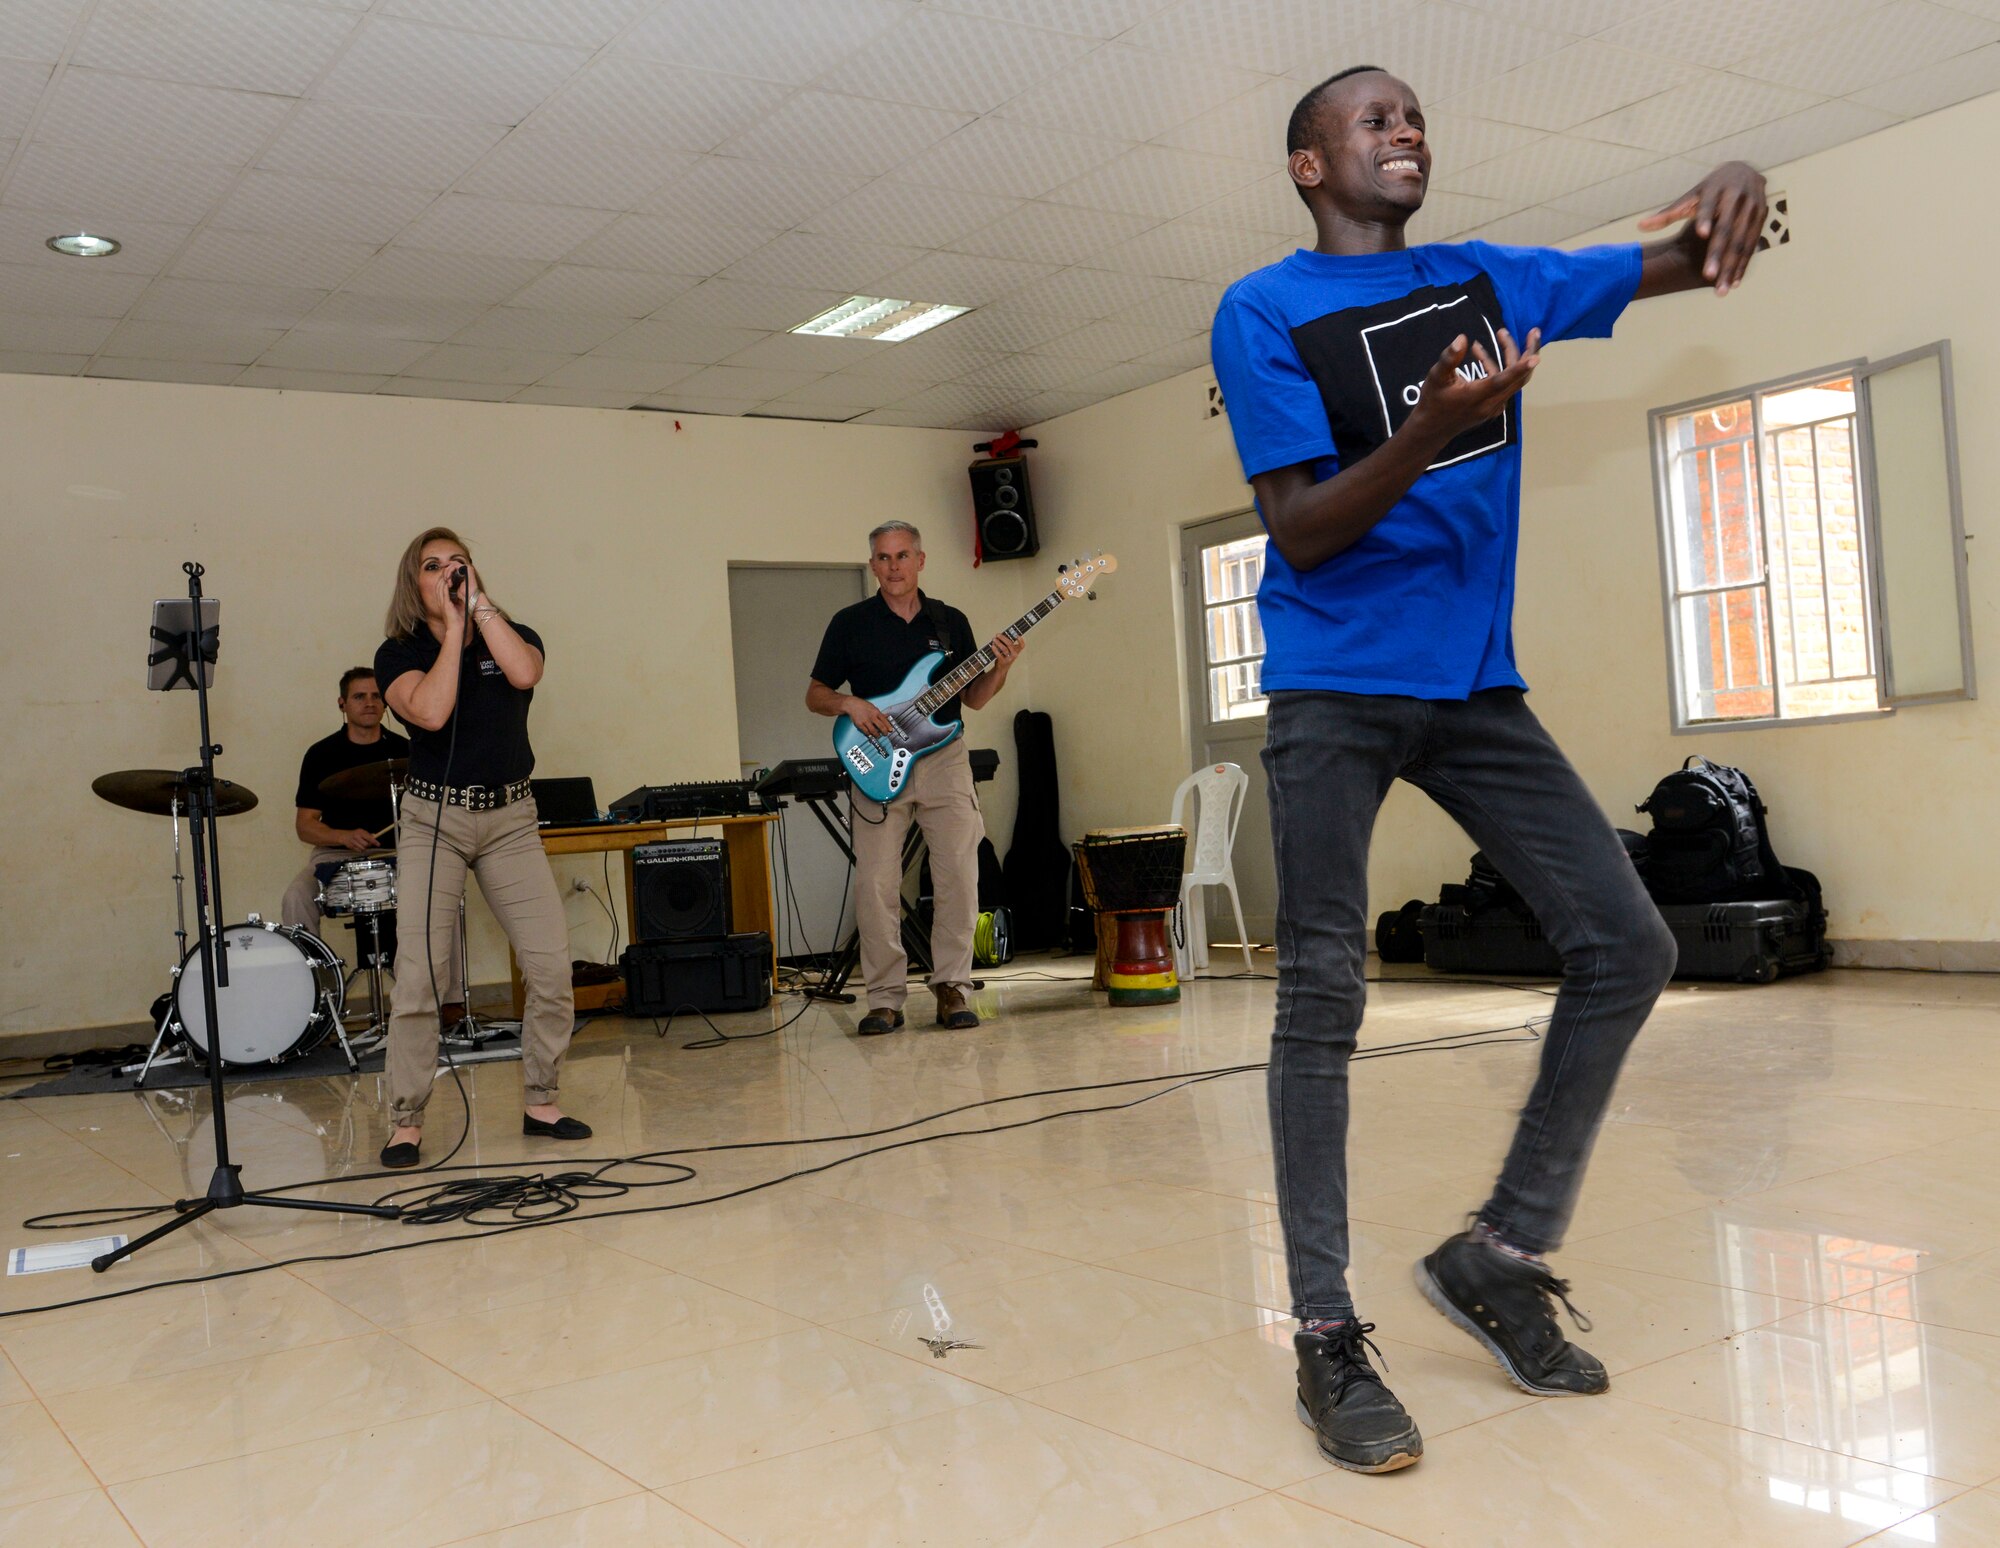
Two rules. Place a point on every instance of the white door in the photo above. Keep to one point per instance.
(777, 614)
(1222, 562)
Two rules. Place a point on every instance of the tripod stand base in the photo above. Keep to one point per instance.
(225, 1191)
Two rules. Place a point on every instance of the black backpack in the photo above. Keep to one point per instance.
(1709, 843)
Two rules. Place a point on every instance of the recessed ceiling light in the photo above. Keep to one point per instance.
(880, 318)
(81, 244)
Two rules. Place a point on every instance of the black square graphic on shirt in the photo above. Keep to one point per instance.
(1369, 363)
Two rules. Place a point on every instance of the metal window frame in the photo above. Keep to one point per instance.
(1656, 422)
(1940, 349)
(1194, 615)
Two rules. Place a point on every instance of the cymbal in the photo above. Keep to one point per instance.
(157, 790)
(365, 781)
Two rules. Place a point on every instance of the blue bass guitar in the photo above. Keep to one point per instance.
(881, 766)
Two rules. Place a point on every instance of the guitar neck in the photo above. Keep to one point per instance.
(954, 681)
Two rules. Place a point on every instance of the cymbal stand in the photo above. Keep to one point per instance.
(166, 1020)
(195, 649)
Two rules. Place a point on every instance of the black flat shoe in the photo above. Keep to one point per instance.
(399, 1156)
(562, 1128)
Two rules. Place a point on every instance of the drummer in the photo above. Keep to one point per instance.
(341, 830)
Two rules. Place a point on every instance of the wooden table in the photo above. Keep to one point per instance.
(745, 839)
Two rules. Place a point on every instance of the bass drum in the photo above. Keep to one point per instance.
(286, 991)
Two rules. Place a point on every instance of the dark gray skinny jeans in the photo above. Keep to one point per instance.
(1487, 761)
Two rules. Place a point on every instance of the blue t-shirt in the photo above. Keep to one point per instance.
(1320, 359)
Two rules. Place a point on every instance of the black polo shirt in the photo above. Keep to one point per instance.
(869, 650)
(335, 754)
(492, 714)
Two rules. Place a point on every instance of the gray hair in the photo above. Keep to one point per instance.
(895, 526)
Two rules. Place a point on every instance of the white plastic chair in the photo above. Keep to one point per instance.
(1219, 792)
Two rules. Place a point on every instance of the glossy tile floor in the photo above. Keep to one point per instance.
(1790, 1243)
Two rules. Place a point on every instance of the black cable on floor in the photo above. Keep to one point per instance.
(546, 1199)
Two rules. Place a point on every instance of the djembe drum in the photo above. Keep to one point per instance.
(1132, 878)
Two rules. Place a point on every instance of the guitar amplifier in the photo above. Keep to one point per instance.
(680, 888)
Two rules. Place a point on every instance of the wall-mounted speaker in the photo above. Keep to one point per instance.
(680, 890)
(1004, 509)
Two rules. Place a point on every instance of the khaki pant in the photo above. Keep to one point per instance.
(300, 906)
(939, 799)
(503, 849)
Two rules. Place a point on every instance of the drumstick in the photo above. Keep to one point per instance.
(380, 831)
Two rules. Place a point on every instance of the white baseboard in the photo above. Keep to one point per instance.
(1924, 956)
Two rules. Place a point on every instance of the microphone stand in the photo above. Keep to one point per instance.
(193, 652)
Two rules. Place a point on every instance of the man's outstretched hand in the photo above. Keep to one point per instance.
(1457, 397)
(1726, 213)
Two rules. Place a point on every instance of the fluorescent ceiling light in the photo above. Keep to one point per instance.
(82, 244)
(880, 318)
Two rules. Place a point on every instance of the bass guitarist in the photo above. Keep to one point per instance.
(870, 647)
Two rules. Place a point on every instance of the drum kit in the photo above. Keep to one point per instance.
(287, 990)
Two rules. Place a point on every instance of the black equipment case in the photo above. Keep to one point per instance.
(1751, 943)
(713, 973)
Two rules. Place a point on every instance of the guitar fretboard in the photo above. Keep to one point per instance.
(949, 685)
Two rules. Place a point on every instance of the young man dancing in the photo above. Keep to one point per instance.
(1373, 389)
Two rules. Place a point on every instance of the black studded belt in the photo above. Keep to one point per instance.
(474, 798)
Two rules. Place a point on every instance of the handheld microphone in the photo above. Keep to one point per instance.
(457, 580)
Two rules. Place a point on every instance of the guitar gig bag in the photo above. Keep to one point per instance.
(1036, 870)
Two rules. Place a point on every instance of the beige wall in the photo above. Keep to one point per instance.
(610, 532)
(1898, 815)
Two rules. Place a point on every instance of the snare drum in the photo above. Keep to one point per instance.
(365, 886)
(286, 991)
(1132, 877)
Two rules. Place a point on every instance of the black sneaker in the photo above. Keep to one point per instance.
(1503, 1301)
(1355, 1418)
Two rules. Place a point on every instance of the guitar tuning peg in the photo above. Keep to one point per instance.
(1090, 596)
(1062, 569)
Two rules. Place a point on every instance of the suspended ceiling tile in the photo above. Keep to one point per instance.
(1024, 374)
(1900, 37)
(24, 236)
(1582, 81)
(133, 340)
(243, 44)
(415, 274)
(1270, 205)
(1087, 294)
(1459, 140)
(270, 258)
(308, 350)
(466, 223)
(813, 353)
(41, 363)
(1271, 36)
(776, 40)
(848, 134)
(1537, 226)
(393, 317)
(1118, 92)
(472, 392)
(368, 145)
(1044, 406)
(1186, 304)
(1016, 160)
(1718, 33)
(320, 207)
(544, 167)
(468, 363)
(201, 373)
(730, 191)
(950, 401)
(1130, 377)
(1191, 354)
(21, 86)
(1005, 327)
(601, 373)
(1087, 18)
(783, 408)
(1697, 113)
(208, 301)
(1801, 134)
(909, 215)
(580, 23)
(1580, 17)
(400, 64)
(577, 397)
(1442, 50)
(758, 383)
(1446, 215)
(1061, 234)
(1113, 343)
(673, 401)
(626, 293)
(854, 394)
(1251, 128)
(1546, 169)
(1636, 193)
(681, 339)
(57, 335)
(961, 279)
(938, 59)
(641, 101)
(307, 381)
(667, 245)
(38, 29)
(179, 123)
(736, 304)
(1936, 86)
(565, 333)
(1159, 181)
(802, 259)
(1186, 249)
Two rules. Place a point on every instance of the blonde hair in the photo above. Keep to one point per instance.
(406, 602)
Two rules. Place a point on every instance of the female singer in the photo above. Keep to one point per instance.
(460, 675)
